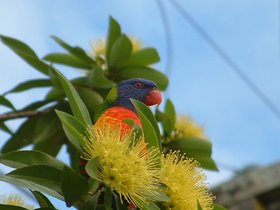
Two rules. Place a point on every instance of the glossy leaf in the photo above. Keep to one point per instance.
(199, 207)
(73, 186)
(20, 159)
(120, 204)
(74, 156)
(159, 196)
(52, 143)
(22, 136)
(150, 206)
(114, 32)
(73, 129)
(75, 51)
(26, 53)
(92, 202)
(42, 200)
(36, 105)
(92, 168)
(168, 117)
(144, 72)
(5, 128)
(98, 79)
(199, 149)
(5, 102)
(218, 207)
(11, 207)
(47, 126)
(149, 124)
(91, 98)
(44, 179)
(120, 52)
(77, 106)
(55, 94)
(93, 185)
(143, 57)
(36, 83)
(67, 59)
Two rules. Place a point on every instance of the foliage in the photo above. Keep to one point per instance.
(70, 107)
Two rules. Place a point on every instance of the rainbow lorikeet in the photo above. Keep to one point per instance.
(118, 107)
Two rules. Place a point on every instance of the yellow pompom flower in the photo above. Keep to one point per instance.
(15, 200)
(186, 127)
(99, 46)
(185, 183)
(125, 164)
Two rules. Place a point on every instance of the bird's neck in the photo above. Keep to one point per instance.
(126, 103)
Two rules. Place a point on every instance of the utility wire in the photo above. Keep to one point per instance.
(168, 40)
(222, 53)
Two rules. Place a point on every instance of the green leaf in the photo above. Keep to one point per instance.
(74, 156)
(22, 136)
(199, 149)
(114, 32)
(55, 94)
(91, 99)
(218, 207)
(11, 207)
(108, 198)
(75, 51)
(168, 118)
(30, 84)
(159, 196)
(150, 206)
(5, 128)
(31, 185)
(67, 59)
(120, 205)
(42, 178)
(77, 106)
(42, 200)
(170, 112)
(52, 143)
(47, 126)
(92, 168)
(98, 79)
(93, 185)
(149, 124)
(20, 159)
(26, 53)
(144, 72)
(6, 102)
(120, 52)
(73, 186)
(92, 202)
(36, 105)
(143, 57)
(199, 207)
(73, 129)
(46, 208)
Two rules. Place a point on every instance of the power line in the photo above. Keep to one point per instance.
(168, 40)
(222, 53)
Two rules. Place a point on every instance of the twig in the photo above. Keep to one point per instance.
(23, 114)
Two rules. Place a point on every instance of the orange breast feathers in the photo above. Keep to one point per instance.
(115, 116)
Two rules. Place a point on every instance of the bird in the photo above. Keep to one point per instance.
(118, 106)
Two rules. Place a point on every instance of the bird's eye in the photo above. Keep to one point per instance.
(138, 85)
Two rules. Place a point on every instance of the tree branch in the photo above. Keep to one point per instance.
(23, 114)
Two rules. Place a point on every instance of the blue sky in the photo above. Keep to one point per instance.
(243, 130)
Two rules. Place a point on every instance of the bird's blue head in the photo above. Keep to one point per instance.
(143, 90)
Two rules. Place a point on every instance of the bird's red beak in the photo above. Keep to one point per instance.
(153, 98)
